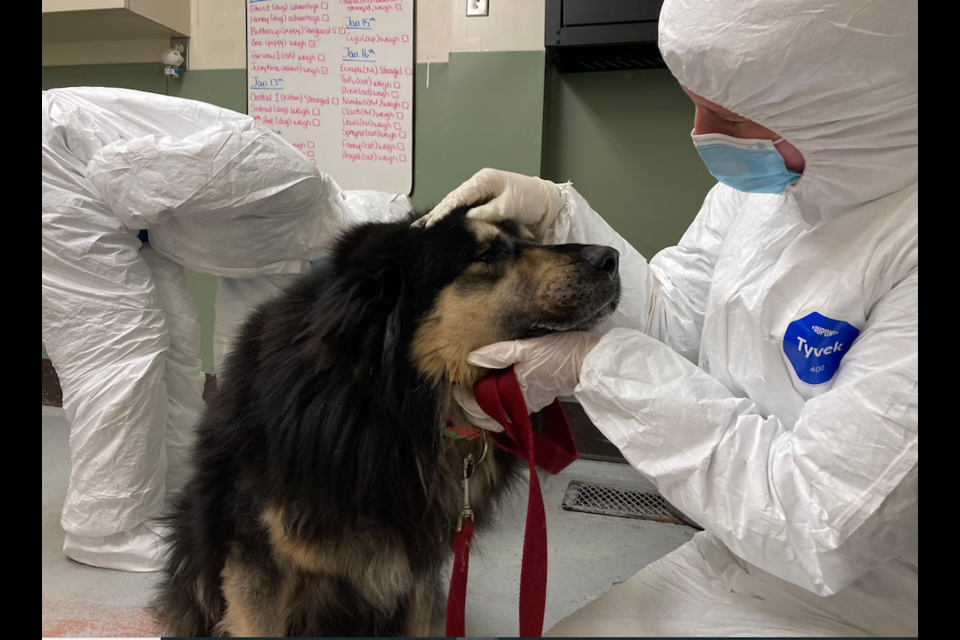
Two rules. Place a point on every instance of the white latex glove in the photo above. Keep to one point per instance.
(546, 368)
(527, 200)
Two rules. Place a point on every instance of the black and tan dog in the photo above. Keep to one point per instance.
(324, 495)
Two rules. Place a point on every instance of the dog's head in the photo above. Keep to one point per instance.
(505, 286)
(462, 284)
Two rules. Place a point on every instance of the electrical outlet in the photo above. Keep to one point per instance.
(478, 8)
(183, 46)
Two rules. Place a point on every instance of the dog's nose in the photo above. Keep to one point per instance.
(605, 259)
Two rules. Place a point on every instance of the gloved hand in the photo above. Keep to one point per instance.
(527, 200)
(546, 367)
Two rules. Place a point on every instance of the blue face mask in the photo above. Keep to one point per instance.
(753, 166)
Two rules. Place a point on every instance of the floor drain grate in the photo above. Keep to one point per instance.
(611, 501)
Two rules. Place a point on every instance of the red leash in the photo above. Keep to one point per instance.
(500, 397)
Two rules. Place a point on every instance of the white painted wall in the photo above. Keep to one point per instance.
(443, 26)
(102, 52)
(434, 31)
(218, 39)
(217, 35)
(513, 25)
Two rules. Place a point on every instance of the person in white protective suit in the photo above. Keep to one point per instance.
(764, 372)
(219, 194)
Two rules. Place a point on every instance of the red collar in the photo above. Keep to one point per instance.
(461, 431)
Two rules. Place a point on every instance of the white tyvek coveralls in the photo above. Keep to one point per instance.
(219, 194)
(809, 493)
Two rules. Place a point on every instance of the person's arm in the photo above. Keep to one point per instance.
(227, 170)
(817, 503)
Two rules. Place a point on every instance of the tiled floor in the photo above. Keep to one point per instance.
(588, 554)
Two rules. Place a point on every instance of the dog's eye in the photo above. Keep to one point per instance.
(497, 251)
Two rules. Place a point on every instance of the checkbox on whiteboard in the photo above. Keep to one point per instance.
(310, 145)
(399, 6)
(316, 111)
(405, 38)
(314, 161)
(403, 158)
(321, 57)
(316, 122)
(395, 94)
(326, 18)
(399, 116)
(309, 154)
(343, 30)
(335, 100)
(323, 71)
(396, 125)
(324, 5)
(408, 71)
(403, 135)
(406, 105)
(400, 146)
(396, 85)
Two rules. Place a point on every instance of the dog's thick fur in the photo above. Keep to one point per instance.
(324, 495)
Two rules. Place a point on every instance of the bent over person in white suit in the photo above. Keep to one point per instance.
(216, 192)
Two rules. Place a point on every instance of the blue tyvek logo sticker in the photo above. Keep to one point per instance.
(815, 345)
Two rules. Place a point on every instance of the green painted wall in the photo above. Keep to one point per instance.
(479, 110)
(621, 137)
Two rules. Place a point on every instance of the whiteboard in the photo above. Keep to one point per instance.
(335, 79)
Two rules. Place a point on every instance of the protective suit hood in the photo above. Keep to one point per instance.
(838, 80)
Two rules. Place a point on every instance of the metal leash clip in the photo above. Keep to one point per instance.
(467, 512)
(469, 464)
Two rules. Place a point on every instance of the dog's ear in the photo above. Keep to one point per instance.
(357, 317)
(369, 245)
(370, 258)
